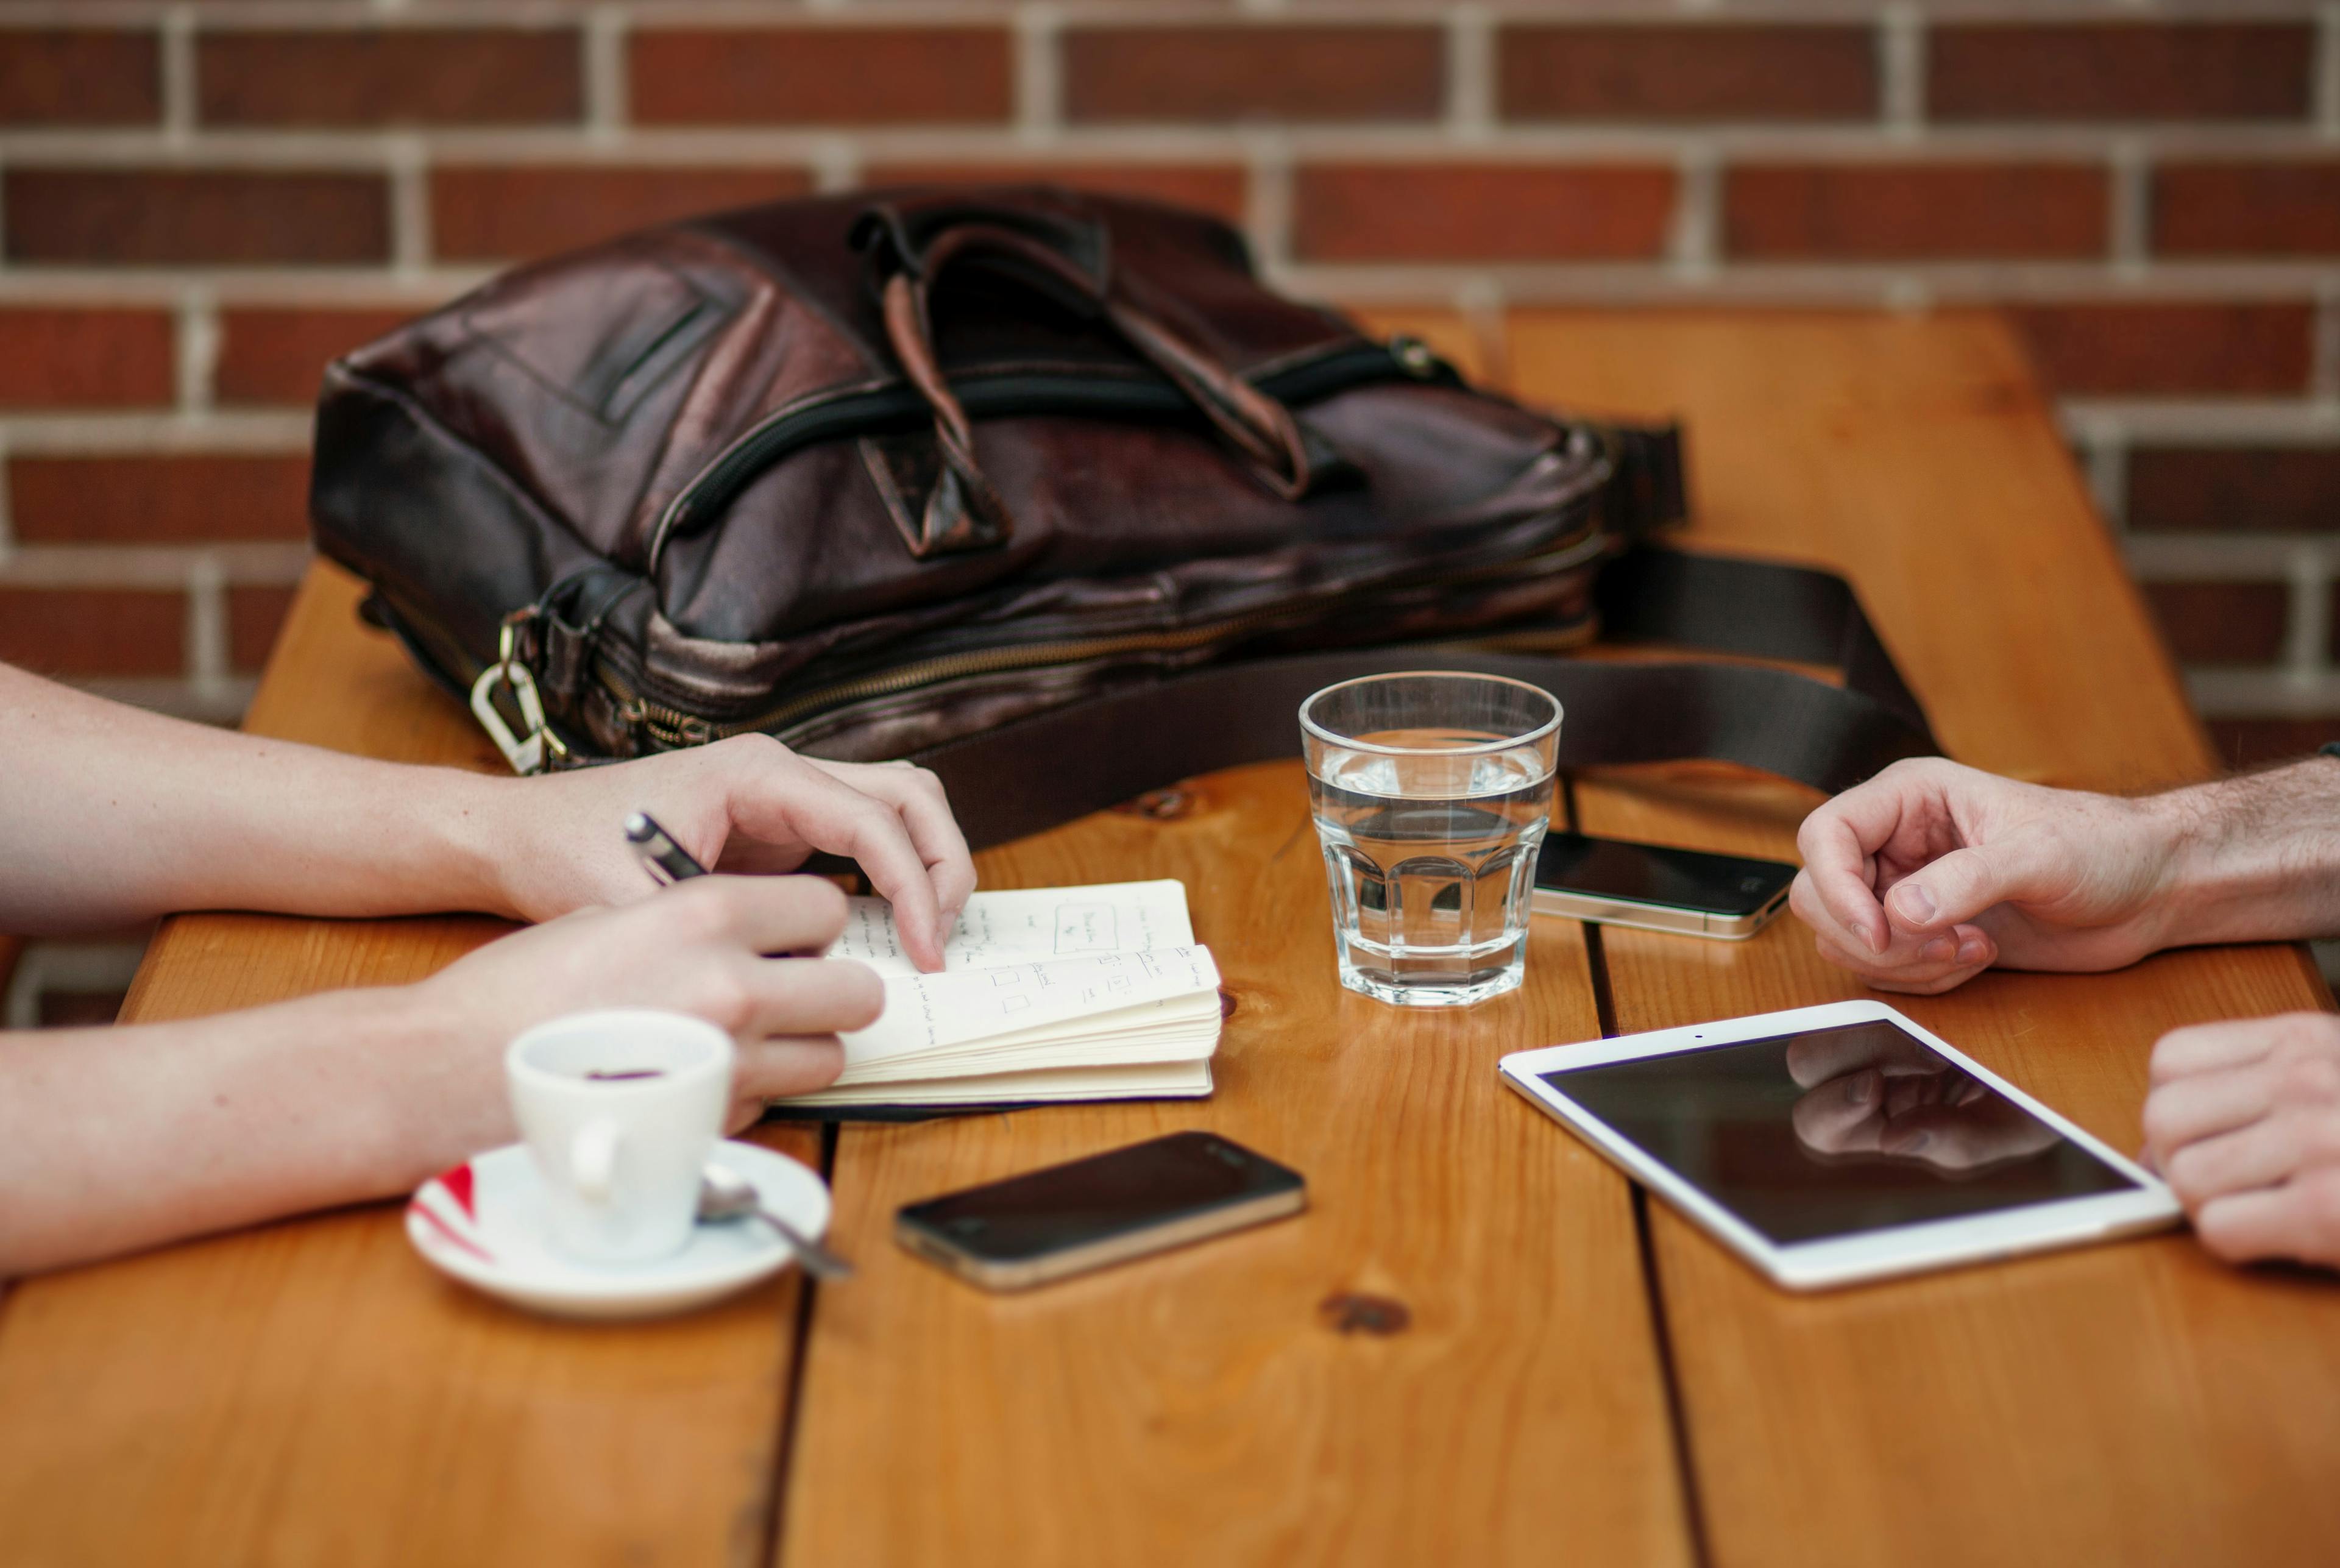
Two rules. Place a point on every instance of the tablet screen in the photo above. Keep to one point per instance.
(1831, 1132)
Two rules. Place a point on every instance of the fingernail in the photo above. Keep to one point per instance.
(1918, 1143)
(1857, 1088)
(1940, 951)
(1917, 904)
(1970, 951)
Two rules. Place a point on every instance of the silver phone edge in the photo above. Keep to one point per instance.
(1675, 919)
(1102, 1253)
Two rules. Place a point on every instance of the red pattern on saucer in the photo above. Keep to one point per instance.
(457, 1188)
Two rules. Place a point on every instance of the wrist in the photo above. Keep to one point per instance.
(474, 829)
(2245, 858)
(435, 1077)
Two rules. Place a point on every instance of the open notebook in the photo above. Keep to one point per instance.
(1045, 994)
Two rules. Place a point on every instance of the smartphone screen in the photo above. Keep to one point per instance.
(1069, 1207)
(1655, 874)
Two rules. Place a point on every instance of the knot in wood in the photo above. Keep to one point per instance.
(1350, 1312)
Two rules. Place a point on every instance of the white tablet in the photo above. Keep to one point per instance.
(1841, 1143)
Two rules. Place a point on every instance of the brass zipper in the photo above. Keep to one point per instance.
(673, 728)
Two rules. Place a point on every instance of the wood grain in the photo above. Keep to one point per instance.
(1202, 1407)
(309, 1393)
(2134, 1403)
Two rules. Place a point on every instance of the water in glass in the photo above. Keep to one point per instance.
(1430, 834)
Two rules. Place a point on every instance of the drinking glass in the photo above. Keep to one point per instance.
(1432, 792)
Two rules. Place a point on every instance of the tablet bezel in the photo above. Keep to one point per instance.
(1867, 1254)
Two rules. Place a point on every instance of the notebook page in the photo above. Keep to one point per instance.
(927, 1012)
(1028, 925)
(1180, 1080)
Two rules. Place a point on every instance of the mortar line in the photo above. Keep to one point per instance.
(195, 343)
(1039, 73)
(175, 66)
(1470, 39)
(1901, 70)
(2128, 215)
(206, 637)
(606, 84)
(2308, 629)
(1267, 204)
(1693, 248)
(410, 207)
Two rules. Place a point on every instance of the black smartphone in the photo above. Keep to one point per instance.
(1108, 1208)
(1659, 888)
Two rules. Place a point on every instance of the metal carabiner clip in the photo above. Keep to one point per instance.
(527, 753)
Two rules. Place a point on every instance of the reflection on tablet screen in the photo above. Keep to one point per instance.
(1835, 1131)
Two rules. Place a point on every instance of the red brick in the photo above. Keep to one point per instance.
(1214, 188)
(2156, 350)
(2235, 209)
(1216, 74)
(84, 357)
(1481, 212)
(2120, 71)
(390, 76)
(279, 356)
(254, 615)
(93, 631)
(511, 212)
(821, 75)
(2248, 743)
(176, 498)
(195, 217)
(1687, 73)
(2235, 490)
(2221, 622)
(1878, 210)
(61, 76)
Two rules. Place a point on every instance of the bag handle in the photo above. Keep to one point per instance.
(967, 512)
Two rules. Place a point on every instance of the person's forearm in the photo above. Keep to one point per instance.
(117, 1139)
(2257, 858)
(110, 814)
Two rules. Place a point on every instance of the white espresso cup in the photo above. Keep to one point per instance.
(621, 1109)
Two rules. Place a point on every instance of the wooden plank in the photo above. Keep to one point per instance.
(2130, 1404)
(1203, 1407)
(311, 1393)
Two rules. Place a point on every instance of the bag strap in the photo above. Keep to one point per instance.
(1114, 747)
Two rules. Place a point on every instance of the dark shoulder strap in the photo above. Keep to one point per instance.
(1054, 767)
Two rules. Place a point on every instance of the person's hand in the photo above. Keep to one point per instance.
(696, 948)
(1930, 872)
(1878, 1091)
(746, 805)
(2244, 1123)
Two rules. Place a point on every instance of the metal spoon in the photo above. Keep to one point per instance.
(725, 1194)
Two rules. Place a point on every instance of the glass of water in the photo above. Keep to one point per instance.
(1432, 792)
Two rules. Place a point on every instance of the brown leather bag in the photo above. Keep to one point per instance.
(980, 477)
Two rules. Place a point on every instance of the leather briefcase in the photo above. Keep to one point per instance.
(1043, 490)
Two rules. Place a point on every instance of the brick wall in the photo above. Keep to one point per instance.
(200, 203)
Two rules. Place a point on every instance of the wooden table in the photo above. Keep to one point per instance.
(1580, 1376)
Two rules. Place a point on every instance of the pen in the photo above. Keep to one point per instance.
(667, 862)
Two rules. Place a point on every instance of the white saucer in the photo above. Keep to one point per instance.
(483, 1223)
